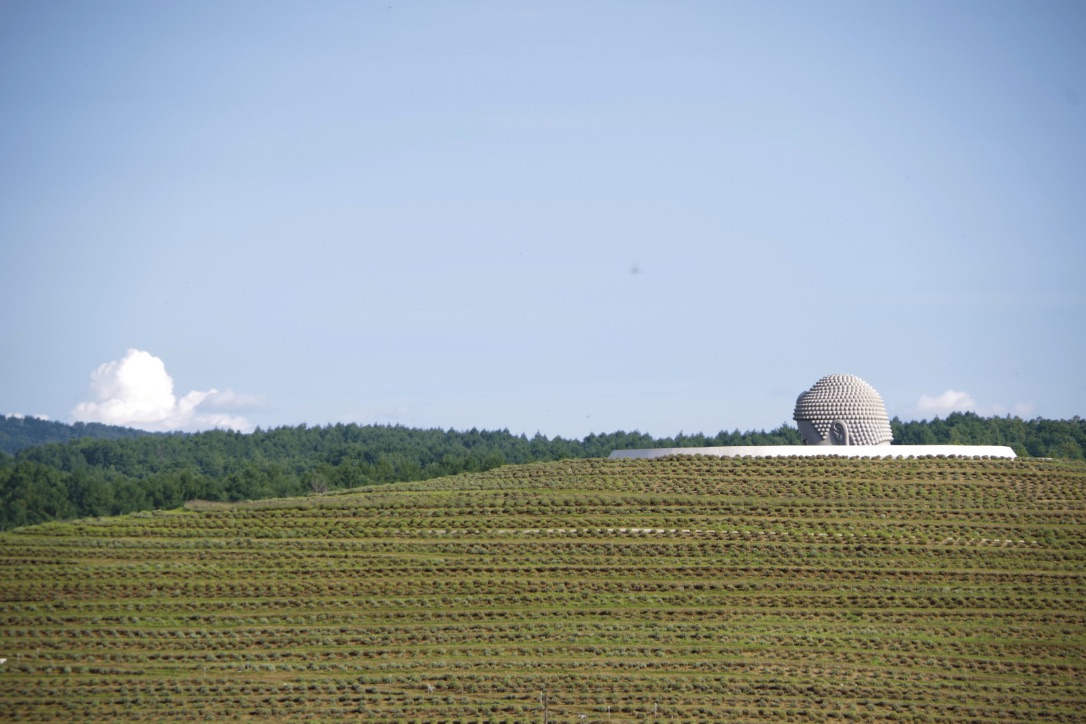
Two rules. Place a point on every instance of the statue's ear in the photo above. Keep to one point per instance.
(839, 432)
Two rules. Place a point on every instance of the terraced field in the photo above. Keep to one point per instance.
(814, 589)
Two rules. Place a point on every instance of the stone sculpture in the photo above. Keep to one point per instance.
(839, 412)
(842, 410)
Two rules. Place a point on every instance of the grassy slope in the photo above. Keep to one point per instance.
(691, 588)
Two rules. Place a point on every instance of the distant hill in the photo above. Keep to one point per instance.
(677, 589)
(130, 470)
(17, 433)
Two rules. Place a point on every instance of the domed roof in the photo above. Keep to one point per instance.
(847, 398)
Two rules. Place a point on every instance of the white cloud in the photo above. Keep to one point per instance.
(944, 404)
(1025, 410)
(230, 400)
(137, 392)
(955, 401)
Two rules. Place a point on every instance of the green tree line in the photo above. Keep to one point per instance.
(97, 476)
(17, 432)
(1028, 438)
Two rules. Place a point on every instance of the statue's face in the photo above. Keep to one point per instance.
(809, 434)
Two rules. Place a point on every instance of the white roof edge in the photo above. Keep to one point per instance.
(847, 451)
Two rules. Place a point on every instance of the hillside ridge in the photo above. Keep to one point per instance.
(108, 477)
(813, 589)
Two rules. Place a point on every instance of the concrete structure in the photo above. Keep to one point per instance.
(843, 416)
(842, 410)
(845, 451)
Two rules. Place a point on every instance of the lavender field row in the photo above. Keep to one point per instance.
(813, 589)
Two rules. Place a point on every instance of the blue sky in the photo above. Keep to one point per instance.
(565, 217)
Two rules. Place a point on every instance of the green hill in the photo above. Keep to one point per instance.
(93, 477)
(813, 589)
(18, 432)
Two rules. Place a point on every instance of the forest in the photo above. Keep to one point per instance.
(52, 471)
(18, 431)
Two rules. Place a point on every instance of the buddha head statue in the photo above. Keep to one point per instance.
(842, 410)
